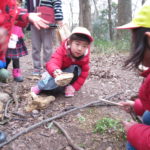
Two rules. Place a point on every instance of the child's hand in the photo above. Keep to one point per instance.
(69, 91)
(127, 105)
(3, 38)
(128, 125)
(57, 72)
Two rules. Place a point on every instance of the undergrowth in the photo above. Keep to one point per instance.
(110, 126)
(103, 46)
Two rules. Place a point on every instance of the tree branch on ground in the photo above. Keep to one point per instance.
(51, 119)
(70, 141)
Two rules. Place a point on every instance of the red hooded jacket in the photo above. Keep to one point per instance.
(62, 59)
(139, 134)
(10, 15)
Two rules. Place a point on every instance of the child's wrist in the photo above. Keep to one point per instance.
(57, 72)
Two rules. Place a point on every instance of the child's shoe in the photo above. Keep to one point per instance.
(36, 72)
(2, 137)
(69, 91)
(17, 75)
(35, 90)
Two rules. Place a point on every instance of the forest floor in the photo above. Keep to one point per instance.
(106, 78)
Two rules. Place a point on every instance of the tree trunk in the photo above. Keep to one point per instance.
(85, 14)
(143, 1)
(124, 14)
(109, 20)
(71, 10)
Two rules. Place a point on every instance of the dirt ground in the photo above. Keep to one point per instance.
(107, 78)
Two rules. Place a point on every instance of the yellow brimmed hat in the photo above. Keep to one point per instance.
(141, 19)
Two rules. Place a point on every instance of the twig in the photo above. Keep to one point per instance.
(70, 141)
(6, 108)
(134, 116)
(19, 114)
(15, 97)
(48, 120)
(104, 100)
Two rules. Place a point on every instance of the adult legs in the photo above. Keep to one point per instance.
(47, 39)
(36, 47)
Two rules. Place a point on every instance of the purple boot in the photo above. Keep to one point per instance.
(17, 75)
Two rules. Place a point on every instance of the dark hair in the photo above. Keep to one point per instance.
(139, 44)
(80, 37)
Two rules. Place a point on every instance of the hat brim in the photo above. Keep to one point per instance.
(130, 25)
(89, 37)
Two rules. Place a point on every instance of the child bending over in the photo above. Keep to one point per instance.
(138, 133)
(72, 56)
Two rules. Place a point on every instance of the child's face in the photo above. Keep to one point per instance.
(78, 48)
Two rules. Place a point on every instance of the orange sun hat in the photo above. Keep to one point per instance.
(141, 19)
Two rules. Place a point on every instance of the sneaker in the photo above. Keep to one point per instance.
(2, 137)
(35, 90)
(17, 75)
(36, 72)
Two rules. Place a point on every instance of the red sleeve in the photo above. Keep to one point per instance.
(81, 79)
(139, 136)
(144, 93)
(55, 61)
(22, 17)
(138, 107)
(2, 18)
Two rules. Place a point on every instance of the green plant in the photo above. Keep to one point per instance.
(104, 46)
(81, 119)
(109, 125)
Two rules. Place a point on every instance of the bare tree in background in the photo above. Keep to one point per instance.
(85, 14)
(143, 1)
(124, 14)
(96, 9)
(110, 20)
(71, 11)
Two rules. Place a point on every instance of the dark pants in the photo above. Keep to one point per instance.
(15, 62)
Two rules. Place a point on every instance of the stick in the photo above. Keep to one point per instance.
(70, 141)
(50, 119)
(6, 108)
(104, 100)
(15, 97)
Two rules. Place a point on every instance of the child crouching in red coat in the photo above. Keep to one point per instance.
(72, 56)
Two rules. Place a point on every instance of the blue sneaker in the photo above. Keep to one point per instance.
(2, 137)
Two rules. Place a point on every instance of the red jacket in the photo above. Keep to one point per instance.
(139, 134)
(62, 59)
(10, 15)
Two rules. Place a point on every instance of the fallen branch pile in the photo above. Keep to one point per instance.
(95, 103)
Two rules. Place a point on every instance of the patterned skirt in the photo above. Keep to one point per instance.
(19, 51)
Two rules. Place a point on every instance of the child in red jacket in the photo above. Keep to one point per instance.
(16, 48)
(10, 15)
(71, 56)
(138, 133)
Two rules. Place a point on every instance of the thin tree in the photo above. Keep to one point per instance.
(143, 1)
(110, 20)
(85, 14)
(124, 14)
